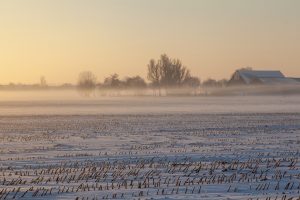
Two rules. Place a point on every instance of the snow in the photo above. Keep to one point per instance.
(155, 148)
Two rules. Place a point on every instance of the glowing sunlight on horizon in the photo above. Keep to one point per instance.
(59, 39)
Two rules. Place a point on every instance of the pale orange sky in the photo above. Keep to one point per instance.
(60, 38)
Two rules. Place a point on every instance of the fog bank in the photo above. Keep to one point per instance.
(70, 103)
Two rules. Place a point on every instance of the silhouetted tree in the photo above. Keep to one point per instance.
(210, 83)
(222, 82)
(167, 72)
(154, 74)
(113, 82)
(135, 82)
(43, 82)
(214, 83)
(193, 82)
(86, 83)
(172, 72)
(87, 80)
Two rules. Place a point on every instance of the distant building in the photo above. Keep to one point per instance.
(254, 77)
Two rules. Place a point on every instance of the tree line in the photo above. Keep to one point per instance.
(164, 73)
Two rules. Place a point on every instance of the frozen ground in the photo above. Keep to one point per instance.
(236, 149)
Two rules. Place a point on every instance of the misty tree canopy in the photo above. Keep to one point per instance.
(192, 82)
(135, 82)
(87, 80)
(214, 83)
(114, 82)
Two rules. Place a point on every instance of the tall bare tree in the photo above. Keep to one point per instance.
(43, 82)
(87, 80)
(154, 74)
(86, 83)
(167, 72)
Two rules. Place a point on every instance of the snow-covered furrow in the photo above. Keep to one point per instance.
(159, 156)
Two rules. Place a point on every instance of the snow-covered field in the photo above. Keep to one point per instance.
(153, 148)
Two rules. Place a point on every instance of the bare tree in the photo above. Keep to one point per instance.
(113, 82)
(167, 72)
(154, 74)
(223, 82)
(192, 81)
(135, 82)
(172, 72)
(43, 82)
(87, 80)
(210, 83)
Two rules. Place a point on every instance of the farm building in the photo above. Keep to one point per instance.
(254, 77)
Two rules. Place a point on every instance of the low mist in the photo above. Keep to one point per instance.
(70, 102)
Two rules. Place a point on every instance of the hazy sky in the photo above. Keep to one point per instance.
(61, 38)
